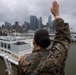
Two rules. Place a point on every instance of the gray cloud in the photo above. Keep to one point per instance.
(20, 10)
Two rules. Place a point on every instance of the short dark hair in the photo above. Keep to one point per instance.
(42, 39)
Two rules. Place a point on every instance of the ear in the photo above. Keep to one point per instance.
(33, 42)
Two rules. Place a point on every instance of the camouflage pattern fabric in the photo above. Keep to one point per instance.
(33, 61)
(52, 61)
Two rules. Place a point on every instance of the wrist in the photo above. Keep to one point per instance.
(56, 16)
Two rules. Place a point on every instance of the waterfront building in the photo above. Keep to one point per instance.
(26, 26)
(50, 22)
(33, 22)
(40, 23)
(53, 26)
(7, 24)
(16, 27)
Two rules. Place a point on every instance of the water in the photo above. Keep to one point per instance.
(70, 68)
(71, 60)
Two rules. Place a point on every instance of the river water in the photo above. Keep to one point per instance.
(70, 68)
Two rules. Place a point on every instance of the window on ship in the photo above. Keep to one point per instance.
(9, 47)
(5, 45)
(1, 44)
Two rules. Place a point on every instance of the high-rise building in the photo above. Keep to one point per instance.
(16, 23)
(50, 22)
(16, 27)
(33, 22)
(53, 26)
(40, 23)
(26, 26)
(7, 24)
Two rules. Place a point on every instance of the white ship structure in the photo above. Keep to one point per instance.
(11, 47)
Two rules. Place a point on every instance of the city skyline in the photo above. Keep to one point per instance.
(16, 10)
(27, 21)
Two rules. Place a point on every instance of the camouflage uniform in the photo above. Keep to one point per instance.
(52, 61)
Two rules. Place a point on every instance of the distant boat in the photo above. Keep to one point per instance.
(73, 37)
(52, 36)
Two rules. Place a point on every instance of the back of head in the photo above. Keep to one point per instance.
(42, 38)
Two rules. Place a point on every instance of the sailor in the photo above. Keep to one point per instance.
(48, 62)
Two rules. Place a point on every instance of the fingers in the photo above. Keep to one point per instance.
(19, 59)
(55, 5)
(55, 8)
(26, 62)
(51, 9)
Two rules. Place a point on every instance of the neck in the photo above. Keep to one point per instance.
(39, 49)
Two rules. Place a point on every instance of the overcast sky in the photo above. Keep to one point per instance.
(20, 10)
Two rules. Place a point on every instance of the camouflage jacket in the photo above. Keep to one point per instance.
(52, 61)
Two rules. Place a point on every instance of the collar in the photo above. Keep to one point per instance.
(39, 50)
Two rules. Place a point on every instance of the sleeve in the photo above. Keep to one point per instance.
(62, 31)
(62, 39)
(23, 66)
(55, 62)
(19, 70)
